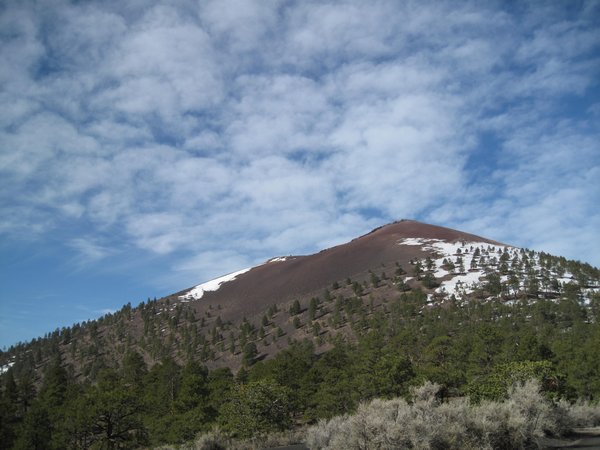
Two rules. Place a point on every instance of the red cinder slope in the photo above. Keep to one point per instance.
(300, 276)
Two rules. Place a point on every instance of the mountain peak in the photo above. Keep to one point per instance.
(249, 290)
(409, 228)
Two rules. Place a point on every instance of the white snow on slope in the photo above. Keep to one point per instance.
(416, 241)
(466, 281)
(4, 369)
(461, 283)
(197, 292)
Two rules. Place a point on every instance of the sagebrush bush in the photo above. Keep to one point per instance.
(427, 423)
(564, 422)
(211, 442)
(583, 414)
(216, 439)
(321, 434)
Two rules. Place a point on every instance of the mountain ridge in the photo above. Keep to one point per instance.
(258, 305)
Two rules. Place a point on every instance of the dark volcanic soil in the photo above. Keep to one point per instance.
(282, 281)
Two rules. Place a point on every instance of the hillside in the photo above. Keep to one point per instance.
(208, 321)
(415, 301)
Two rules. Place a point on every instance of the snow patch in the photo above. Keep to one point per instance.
(197, 292)
(565, 279)
(4, 368)
(465, 282)
(278, 259)
(462, 281)
(415, 241)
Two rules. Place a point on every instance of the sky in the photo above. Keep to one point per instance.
(146, 147)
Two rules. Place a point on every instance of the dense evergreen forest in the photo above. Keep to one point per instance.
(374, 338)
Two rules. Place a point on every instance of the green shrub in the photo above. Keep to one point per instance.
(256, 407)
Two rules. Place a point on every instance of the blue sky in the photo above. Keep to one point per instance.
(146, 147)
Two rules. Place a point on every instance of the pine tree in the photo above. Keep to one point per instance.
(117, 410)
(295, 308)
(312, 308)
(417, 270)
(249, 354)
(134, 369)
(9, 408)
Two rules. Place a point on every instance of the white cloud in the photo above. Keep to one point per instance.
(88, 251)
(158, 232)
(223, 135)
(164, 65)
(239, 25)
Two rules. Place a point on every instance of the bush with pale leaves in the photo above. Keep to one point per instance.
(427, 423)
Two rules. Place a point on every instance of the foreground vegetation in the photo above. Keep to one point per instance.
(517, 422)
(522, 419)
(475, 349)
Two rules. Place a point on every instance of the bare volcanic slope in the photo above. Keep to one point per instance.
(283, 279)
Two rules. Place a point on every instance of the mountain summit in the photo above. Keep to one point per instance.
(282, 279)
